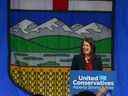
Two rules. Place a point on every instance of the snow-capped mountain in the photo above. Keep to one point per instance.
(94, 30)
(52, 24)
(51, 27)
(23, 29)
(76, 27)
(93, 26)
(26, 24)
(28, 29)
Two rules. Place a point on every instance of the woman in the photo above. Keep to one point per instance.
(87, 59)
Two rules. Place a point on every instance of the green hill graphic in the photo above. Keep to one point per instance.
(55, 44)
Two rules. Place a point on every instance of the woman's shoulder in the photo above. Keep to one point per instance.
(78, 56)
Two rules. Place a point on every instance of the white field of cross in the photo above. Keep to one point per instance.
(73, 5)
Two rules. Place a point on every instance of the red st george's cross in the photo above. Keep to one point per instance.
(60, 5)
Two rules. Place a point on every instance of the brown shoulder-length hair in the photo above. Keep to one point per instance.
(91, 42)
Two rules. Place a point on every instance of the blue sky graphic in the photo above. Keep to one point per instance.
(69, 18)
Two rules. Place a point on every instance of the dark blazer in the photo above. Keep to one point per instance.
(78, 63)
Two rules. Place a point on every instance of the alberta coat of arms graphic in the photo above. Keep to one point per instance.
(45, 35)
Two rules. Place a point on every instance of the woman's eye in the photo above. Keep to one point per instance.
(86, 45)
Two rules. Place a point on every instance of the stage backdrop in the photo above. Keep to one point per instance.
(7, 88)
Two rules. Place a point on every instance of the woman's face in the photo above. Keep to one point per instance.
(86, 48)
